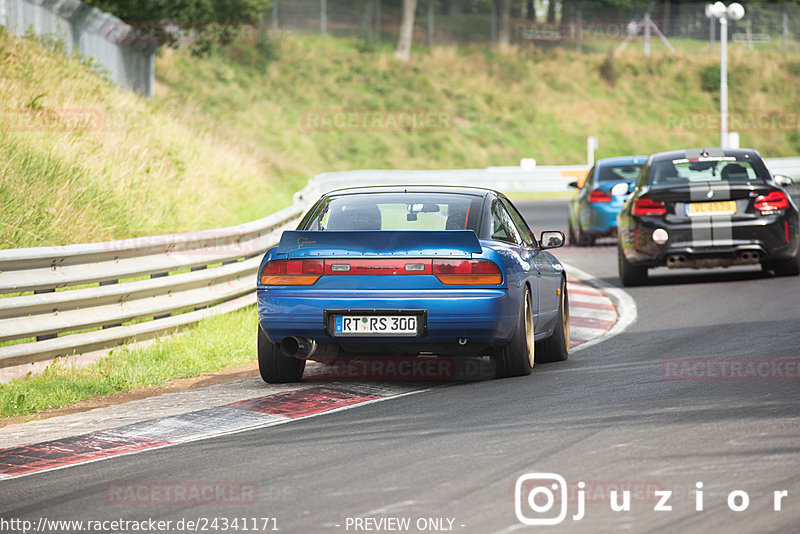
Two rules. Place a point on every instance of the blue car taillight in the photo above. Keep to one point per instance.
(598, 197)
(292, 272)
(467, 272)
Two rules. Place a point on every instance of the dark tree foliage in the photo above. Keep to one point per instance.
(185, 10)
(200, 22)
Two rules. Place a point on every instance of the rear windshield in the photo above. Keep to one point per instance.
(618, 173)
(398, 211)
(709, 169)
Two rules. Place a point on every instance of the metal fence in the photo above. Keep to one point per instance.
(61, 301)
(128, 62)
(573, 24)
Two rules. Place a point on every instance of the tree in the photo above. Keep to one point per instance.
(530, 10)
(503, 21)
(454, 7)
(208, 21)
(406, 30)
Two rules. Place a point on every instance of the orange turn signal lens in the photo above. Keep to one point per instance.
(292, 280)
(470, 279)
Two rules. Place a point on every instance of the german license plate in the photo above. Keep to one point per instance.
(695, 209)
(376, 325)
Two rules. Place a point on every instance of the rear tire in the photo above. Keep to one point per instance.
(630, 275)
(516, 357)
(790, 267)
(585, 239)
(275, 368)
(556, 347)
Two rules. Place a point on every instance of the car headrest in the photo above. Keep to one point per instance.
(734, 171)
(355, 218)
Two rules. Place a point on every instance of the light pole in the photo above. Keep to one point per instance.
(734, 11)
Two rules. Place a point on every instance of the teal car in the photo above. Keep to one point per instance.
(592, 212)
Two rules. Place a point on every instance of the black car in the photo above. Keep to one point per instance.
(707, 207)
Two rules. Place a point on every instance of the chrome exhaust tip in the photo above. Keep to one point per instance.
(749, 257)
(304, 348)
(676, 260)
(298, 347)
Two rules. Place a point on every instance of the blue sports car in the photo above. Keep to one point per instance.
(592, 212)
(450, 271)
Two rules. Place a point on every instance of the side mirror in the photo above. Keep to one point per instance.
(573, 185)
(620, 189)
(552, 239)
(783, 180)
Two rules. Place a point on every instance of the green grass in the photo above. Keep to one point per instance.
(499, 107)
(210, 345)
(227, 138)
(82, 160)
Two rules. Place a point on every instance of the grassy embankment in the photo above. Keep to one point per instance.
(224, 142)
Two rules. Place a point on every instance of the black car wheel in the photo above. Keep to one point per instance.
(556, 347)
(275, 368)
(790, 267)
(630, 275)
(585, 239)
(572, 239)
(516, 357)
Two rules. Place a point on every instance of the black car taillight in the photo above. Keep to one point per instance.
(647, 207)
(772, 201)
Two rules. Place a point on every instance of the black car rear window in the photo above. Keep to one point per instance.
(709, 169)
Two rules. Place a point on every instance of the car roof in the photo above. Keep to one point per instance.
(638, 160)
(454, 189)
(697, 152)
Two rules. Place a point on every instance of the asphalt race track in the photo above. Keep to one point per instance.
(702, 388)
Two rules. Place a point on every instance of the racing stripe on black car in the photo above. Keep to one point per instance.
(722, 225)
(716, 230)
(701, 226)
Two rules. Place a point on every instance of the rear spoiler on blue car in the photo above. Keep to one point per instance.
(297, 243)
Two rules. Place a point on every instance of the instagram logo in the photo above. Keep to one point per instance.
(535, 496)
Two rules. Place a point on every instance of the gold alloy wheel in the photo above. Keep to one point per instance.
(529, 328)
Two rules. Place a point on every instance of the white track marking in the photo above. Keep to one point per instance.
(626, 306)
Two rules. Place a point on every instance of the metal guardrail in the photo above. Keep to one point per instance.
(88, 297)
(138, 288)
